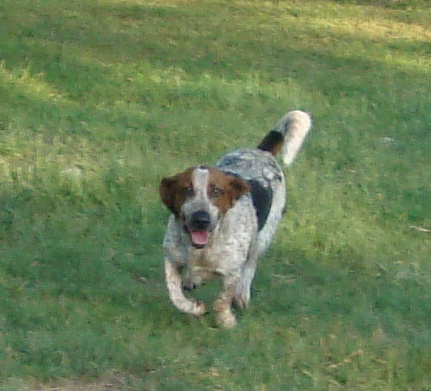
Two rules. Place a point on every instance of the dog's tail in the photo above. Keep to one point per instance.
(288, 135)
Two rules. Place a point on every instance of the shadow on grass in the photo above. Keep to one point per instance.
(389, 4)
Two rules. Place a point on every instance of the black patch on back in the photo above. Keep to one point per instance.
(262, 201)
(271, 141)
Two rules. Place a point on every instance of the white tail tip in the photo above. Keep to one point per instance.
(294, 126)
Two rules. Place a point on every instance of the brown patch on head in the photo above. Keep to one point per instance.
(224, 189)
(174, 190)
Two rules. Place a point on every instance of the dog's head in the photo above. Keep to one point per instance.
(200, 197)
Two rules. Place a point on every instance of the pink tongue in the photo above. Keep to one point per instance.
(200, 238)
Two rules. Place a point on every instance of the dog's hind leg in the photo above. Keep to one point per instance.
(173, 283)
(242, 294)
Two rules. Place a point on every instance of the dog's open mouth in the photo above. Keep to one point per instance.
(199, 238)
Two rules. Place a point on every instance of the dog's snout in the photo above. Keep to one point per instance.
(201, 220)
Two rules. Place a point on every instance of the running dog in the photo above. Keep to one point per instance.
(224, 217)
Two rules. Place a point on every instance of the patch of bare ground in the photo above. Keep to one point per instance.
(110, 382)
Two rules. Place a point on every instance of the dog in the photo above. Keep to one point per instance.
(224, 217)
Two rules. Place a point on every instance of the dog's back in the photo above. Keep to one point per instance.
(260, 169)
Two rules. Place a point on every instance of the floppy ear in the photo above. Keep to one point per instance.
(167, 191)
(239, 187)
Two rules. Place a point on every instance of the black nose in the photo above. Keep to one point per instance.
(200, 220)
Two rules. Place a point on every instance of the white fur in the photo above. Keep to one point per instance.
(294, 126)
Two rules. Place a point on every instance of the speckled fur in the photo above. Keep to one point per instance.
(235, 242)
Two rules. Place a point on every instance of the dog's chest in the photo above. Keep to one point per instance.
(227, 251)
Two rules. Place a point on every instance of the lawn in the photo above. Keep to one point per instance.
(101, 99)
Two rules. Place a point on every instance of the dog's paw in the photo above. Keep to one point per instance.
(226, 319)
(200, 308)
(189, 286)
(191, 283)
(240, 302)
(242, 299)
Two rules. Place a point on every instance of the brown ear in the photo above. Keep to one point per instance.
(239, 187)
(171, 190)
(167, 190)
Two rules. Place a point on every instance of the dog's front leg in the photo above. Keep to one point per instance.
(223, 304)
(173, 283)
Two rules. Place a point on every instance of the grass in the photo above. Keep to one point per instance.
(99, 100)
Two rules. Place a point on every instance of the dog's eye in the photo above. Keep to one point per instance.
(216, 192)
(188, 191)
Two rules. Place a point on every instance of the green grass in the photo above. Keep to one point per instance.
(101, 99)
